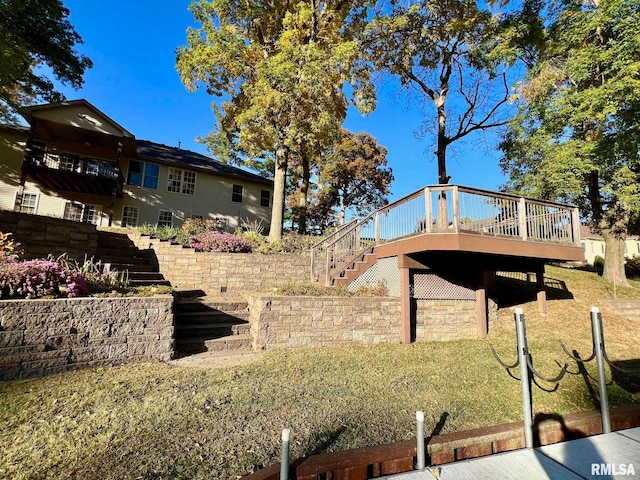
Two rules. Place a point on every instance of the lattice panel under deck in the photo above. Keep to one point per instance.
(385, 270)
(429, 286)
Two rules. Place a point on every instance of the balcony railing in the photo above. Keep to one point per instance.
(75, 164)
(449, 209)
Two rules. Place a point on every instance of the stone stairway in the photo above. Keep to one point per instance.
(117, 252)
(624, 307)
(217, 329)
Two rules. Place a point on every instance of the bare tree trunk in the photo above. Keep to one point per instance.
(302, 199)
(279, 184)
(614, 259)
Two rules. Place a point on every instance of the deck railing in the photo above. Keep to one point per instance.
(451, 209)
(75, 164)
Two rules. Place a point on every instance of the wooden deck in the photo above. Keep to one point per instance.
(613, 455)
(452, 218)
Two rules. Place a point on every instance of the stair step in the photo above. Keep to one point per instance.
(234, 342)
(210, 317)
(121, 267)
(148, 283)
(210, 306)
(211, 331)
(150, 276)
(223, 358)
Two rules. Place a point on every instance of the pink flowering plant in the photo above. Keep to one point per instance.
(39, 278)
(219, 242)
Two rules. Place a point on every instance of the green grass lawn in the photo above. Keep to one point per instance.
(148, 421)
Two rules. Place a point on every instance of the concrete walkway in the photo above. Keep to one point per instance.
(610, 456)
(216, 359)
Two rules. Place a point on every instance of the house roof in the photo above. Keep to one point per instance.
(76, 113)
(185, 158)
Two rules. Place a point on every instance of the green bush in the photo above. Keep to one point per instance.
(598, 264)
(632, 267)
(316, 290)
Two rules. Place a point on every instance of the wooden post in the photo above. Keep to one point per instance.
(405, 306)
(542, 295)
(522, 218)
(456, 209)
(427, 201)
(481, 305)
(575, 223)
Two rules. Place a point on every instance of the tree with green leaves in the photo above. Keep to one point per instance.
(355, 175)
(282, 67)
(36, 33)
(448, 53)
(577, 136)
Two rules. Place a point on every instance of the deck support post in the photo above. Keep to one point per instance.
(405, 306)
(481, 305)
(541, 294)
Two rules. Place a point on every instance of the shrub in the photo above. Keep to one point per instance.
(39, 278)
(290, 243)
(219, 242)
(96, 277)
(316, 290)
(8, 248)
(598, 264)
(632, 267)
(196, 226)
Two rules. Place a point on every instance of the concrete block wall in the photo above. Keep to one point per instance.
(40, 236)
(285, 322)
(442, 320)
(39, 337)
(219, 272)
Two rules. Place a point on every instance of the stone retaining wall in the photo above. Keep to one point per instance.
(214, 273)
(442, 320)
(284, 322)
(39, 337)
(40, 236)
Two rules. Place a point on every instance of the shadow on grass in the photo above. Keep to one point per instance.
(515, 288)
(626, 374)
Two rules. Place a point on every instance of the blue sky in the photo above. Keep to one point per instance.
(135, 82)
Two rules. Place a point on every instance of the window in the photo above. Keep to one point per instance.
(181, 181)
(142, 174)
(265, 198)
(130, 216)
(29, 203)
(165, 218)
(236, 195)
(79, 212)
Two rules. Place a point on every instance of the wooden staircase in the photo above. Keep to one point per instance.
(354, 269)
(117, 252)
(212, 325)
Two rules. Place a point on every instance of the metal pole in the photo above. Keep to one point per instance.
(284, 462)
(421, 464)
(598, 344)
(523, 351)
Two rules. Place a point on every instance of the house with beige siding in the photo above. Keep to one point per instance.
(75, 162)
(594, 245)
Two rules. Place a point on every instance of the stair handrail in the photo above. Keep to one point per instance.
(321, 244)
(352, 229)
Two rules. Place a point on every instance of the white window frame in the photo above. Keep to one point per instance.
(163, 222)
(36, 203)
(123, 217)
(178, 180)
(97, 213)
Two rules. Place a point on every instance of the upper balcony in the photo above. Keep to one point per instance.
(446, 219)
(74, 173)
